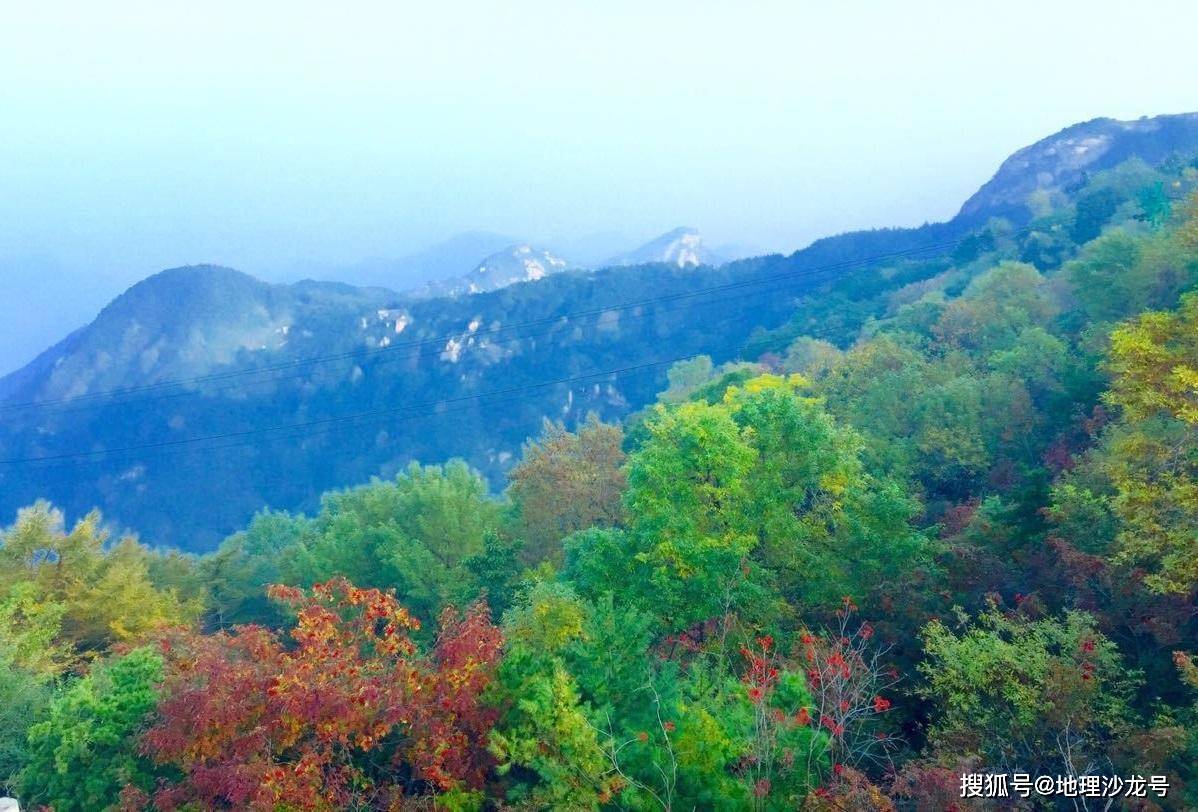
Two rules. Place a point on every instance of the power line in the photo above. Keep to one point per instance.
(427, 352)
(439, 340)
(339, 419)
(326, 425)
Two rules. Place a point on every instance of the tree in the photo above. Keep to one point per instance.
(30, 630)
(85, 751)
(1094, 209)
(105, 591)
(1187, 229)
(494, 572)
(566, 482)
(543, 728)
(1153, 453)
(1123, 273)
(412, 535)
(246, 563)
(685, 377)
(24, 695)
(1044, 696)
(995, 307)
(810, 356)
(688, 503)
(824, 526)
(351, 716)
(787, 751)
(850, 686)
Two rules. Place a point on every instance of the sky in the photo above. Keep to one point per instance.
(279, 138)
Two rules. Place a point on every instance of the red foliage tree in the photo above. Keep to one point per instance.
(850, 684)
(350, 716)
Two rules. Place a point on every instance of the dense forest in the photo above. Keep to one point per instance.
(942, 521)
(202, 395)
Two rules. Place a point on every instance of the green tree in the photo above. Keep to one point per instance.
(688, 500)
(105, 591)
(824, 526)
(1152, 453)
(24, 696)
(412, 535)
(544, 727)
(995, 307)
(246, 563)
(1037, 696)
(685, 377)
(495, 571)
(85, 751)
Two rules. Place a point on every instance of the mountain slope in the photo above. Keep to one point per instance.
(682, 247)
(181, 323)
(397, 379)
(1059, 163)
(516, 263)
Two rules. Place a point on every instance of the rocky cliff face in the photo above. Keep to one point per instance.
(682, 247)
(514, 264)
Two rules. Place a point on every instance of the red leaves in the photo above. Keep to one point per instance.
(449, 724)
(847, 679)
(252, 724)
(762, 674)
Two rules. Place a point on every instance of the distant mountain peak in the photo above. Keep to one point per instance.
(520, 262)
(683, 246)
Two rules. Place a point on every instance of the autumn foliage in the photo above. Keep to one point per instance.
(959, 539)
(349, 715)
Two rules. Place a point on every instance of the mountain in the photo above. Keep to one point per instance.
(186, 322)
(444, 260)
(516, 263)
(233, 395)
(1060, 163)
(682, 247)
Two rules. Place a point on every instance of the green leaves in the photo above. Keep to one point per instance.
(414, 535)
(103, 593)
(85, 751)
(1152, 454)
(1039, 696)
(688, 504)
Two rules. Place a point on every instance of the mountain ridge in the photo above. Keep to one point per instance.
(1030, 169)
(520, 262)
(1062, 159)
(205, 320)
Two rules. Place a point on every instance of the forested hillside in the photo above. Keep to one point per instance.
(202, 395)
(929, 511)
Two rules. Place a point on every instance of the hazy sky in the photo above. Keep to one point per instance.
(278, 136)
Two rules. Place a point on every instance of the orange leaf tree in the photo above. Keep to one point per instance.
(350, 715)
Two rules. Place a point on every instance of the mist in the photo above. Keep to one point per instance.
(292, 140)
